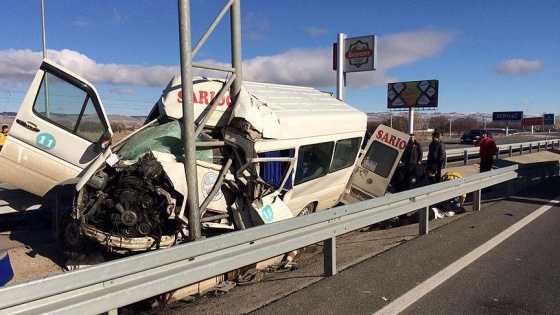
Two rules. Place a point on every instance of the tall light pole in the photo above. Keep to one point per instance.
(43, 23)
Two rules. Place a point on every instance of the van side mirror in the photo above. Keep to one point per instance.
(104, 141)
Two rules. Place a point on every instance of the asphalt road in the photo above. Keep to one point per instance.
(500, 260)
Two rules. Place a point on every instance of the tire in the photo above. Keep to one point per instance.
(309, 209)
(71, 241)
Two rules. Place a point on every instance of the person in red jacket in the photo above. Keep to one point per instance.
(487, 150)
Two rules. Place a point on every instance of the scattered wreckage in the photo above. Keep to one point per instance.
(278, 152)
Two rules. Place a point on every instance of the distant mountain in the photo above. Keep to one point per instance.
(380, 116)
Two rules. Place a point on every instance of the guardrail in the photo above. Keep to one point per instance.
(105, 287)
(471, 153)
(509, 149)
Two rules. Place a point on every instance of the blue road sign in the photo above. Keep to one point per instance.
(549, 119)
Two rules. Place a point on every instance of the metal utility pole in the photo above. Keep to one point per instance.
(340, 74)
(44, 37)
(43, 23)
(195, 229)
(233, 83)
(410, 120)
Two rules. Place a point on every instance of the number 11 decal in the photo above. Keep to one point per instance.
(46, 141)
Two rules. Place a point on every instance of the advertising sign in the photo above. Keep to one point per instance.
(413, 94)
(507, 116)
(549, 119)
(532, 121)
(360, 54)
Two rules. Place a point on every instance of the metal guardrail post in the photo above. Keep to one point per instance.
(465, 157)
(476, 200)
(329, 256)
(538, 147)
(423, 217)
(520, 149)
(530, 148)
(510, 151)
(510, 188)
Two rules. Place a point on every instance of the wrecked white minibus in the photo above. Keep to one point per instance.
(278, 152)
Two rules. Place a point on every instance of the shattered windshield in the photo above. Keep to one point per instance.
(166, 138)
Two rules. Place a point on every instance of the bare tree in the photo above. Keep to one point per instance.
(372, 124)
(400, 123)
(118, 127)
(461, 125)
(439, 123)
(418, 121)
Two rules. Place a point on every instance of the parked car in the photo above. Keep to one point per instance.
(472, 136)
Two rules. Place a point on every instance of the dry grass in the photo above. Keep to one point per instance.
(118, 136)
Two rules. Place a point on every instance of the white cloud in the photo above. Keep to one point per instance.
(317, 31)
(518, 66)
(21, 65)
(314, 67)
(122, 91)
(308, 67)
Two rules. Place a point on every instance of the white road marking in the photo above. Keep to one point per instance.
(422, 289)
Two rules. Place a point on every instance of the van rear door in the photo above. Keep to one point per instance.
(59, 129)
(375, 167)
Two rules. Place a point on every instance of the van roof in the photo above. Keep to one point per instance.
(295, 111)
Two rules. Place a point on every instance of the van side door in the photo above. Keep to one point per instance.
(59, 129)
(375, 167)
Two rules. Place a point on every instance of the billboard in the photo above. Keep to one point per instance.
(360, 54)
(532, 121)
(549, 119)
(507, 116)
(413, 94)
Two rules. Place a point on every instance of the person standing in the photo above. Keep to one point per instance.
(487, 150)
(413, 152)
(436, 158)
(3, 136)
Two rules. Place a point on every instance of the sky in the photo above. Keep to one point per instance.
(487, 55)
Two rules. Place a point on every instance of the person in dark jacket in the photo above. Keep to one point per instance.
(413, 152)
(436, 158)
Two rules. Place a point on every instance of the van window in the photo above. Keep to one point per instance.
(273, 172)
(345, 154)
(380, 159)
(313, 161)
(68, 107)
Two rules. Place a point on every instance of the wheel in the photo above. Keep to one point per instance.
(309, 209)
(71, 241)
